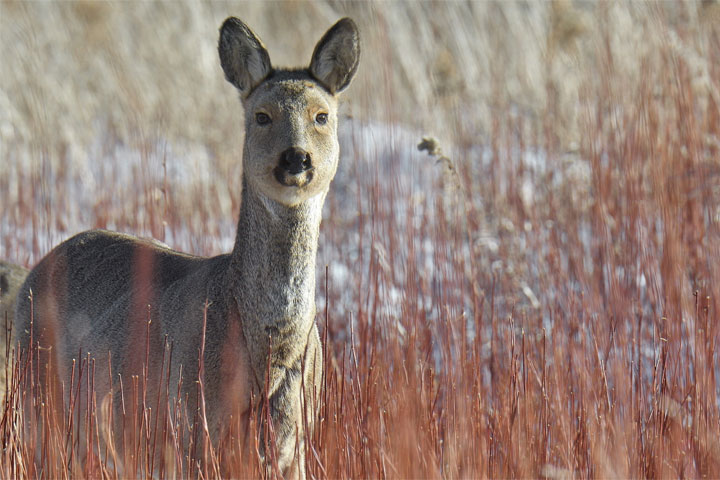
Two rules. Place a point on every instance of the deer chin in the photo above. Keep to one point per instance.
(288, 179)
(292, 195)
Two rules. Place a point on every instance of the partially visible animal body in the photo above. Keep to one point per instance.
(97, 291)
(11, 277)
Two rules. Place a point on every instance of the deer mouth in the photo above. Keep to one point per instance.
(289, 179)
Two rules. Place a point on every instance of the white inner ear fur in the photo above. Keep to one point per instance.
(256, 67)
(336, 56)
(242, 55)
(325, 65)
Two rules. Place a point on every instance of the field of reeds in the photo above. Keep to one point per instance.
(531, 291)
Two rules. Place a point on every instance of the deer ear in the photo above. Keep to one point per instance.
(336, 56)
(243, 57)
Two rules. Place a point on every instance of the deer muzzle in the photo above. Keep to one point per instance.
(294, 168)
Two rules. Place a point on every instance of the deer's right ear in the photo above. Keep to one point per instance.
(243, 57)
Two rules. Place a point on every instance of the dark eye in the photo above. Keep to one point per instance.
(321, 118)
(262, 118)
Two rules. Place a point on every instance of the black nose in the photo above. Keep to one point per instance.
(295, 160)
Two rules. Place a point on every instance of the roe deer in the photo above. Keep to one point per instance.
(96, 291)
(11, 277)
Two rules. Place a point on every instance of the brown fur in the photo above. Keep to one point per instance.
(11, 277)
(92, 292)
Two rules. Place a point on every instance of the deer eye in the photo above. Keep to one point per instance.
(321, 118)
(262, 118)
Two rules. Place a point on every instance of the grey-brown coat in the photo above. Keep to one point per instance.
(96, 291)
(11, 277)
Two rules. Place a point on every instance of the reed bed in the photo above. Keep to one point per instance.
(530, 293)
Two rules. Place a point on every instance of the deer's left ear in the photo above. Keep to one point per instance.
(336, 56)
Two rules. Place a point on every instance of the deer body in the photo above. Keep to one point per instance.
(96, 291)
(11, 278)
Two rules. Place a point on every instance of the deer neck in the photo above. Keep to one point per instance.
(273, 270)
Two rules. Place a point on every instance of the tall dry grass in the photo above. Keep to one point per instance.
(534, 297)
